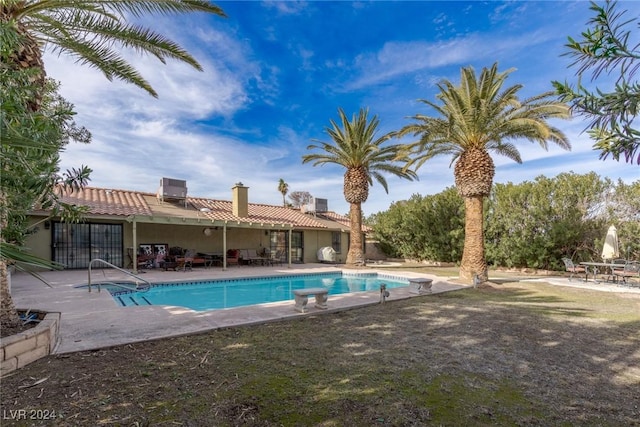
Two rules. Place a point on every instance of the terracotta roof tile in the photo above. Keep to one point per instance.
(222, 210)
(102, 201)
(341, 219)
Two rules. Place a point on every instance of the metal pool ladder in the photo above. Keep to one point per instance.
(128, 273)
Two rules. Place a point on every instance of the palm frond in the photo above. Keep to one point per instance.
(22, 260)
(104, 59)
(480, 113)
(355, 144)
(137, 8)
(142, 8)
(93, 31)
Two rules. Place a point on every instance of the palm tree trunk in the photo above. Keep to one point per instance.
(8, 313)
(355, 255)
(473, 260)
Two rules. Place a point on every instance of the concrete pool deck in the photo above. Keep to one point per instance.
(93, 320)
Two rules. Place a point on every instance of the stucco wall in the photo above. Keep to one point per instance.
(40, 241)
(316, 239)
(193, 237)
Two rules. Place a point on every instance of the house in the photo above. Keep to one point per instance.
(120, 224)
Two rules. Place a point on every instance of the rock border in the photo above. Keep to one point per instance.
(21, 349)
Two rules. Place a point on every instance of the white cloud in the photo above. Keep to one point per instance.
(396, 59)
(292, 7)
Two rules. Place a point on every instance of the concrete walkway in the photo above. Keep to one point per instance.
(92, 320)
(631, 287)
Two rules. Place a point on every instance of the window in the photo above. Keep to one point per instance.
(336, 241)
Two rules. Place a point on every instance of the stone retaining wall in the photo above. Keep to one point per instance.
(21, 349)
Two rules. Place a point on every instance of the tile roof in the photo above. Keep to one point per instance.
(332, 216)
(264, 214)
(340, 219)
(103, 201)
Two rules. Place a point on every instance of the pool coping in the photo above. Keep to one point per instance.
(94, 320)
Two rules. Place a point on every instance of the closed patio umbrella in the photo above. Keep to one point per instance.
(610, 249)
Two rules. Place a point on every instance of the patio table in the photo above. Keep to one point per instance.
(595, 268)
(212, 258)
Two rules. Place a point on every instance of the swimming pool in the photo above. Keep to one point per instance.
(220, 294)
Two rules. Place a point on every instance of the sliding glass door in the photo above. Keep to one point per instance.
(75, 245)
(279, 243)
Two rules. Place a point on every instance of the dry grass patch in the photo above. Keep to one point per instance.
(518, 354)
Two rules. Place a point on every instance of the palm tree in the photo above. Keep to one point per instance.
(356, 147)
(283, 188)
(93, 32)
(477, 117)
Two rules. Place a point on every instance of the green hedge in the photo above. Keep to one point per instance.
(528, 225)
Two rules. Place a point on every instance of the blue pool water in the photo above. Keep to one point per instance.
(219, 294)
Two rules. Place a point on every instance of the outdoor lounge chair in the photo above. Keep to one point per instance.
(573, 269)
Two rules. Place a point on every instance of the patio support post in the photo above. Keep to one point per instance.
(290, 254)
(135, 246)
(224, 247)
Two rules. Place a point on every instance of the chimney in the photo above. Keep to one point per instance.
(240, 200)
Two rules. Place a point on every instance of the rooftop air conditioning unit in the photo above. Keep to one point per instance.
(173, 189)
(321, 205)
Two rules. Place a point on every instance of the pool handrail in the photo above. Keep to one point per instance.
(135, 276)
(124, 286)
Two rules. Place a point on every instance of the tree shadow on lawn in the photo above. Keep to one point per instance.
(563, 353)
(556, 351)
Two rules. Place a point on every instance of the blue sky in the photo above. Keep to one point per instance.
(275, 74)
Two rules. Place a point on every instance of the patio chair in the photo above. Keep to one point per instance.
(233, 257)
(189, 258)
(573, 269)
(244, 257)
(145, 258)
(254, 258)
(277, 256)
(186, 261)
(619, 264)
(267, 256)
(631, 270)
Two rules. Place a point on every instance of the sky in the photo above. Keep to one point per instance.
(276, 73)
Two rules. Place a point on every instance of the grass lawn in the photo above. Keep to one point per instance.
(517, 353)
